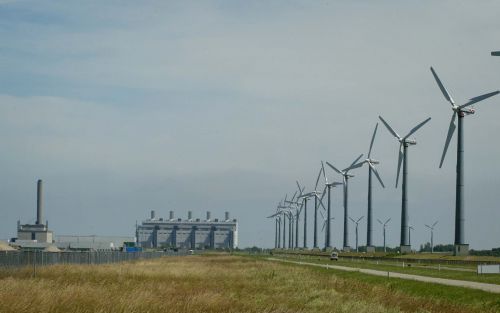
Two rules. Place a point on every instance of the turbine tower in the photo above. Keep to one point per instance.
(277, 216)
(328, 212)
(370, 248)
(325, 223)
(316, 192)
(357, 224)
(384, 224)
(432, 234)
(461, 248)
(345, 174)
(296, 214)
(404, 143)
(410, 228)
(304, 198)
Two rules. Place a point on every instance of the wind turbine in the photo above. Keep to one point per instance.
(291, 219)
(410, 228)
(432, 234)
(384, 224)
(328, 212)
(357, 224)
(302, 205)
(283, 212)
(461, 248)
(495, 53)
(298, 210)
(345, 174)
(404, 143)
(304, 197)
(316, 192)
(277, 216)
(371, 169)
(326, 222)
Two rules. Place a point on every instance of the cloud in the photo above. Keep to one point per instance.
(128, 107)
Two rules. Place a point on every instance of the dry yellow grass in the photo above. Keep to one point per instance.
(199, 284)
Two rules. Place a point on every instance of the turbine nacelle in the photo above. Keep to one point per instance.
(408, 142)
(372, 161)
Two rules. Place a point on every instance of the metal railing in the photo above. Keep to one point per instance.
(41, 258)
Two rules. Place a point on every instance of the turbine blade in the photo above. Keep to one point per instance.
(376, 174)
(321, 199)
(322, 215)
(479, 98)
(354, 162)
(317, 180)
(414, 129)
(359, 219)
(298, 186)
(389, 128)
(445, 92)
(323, 228)
(293, 196)
(352, 220)
(324, 173)
(373, 139)
(451, 130)
(334, 168)
(354, 165)
(388, 220)
(435, 224)
(495, 53)
(380, 221)
(400, 159)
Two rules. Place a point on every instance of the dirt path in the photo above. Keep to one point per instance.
(443, 281)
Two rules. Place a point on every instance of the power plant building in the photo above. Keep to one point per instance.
(188, 234)
(38, 232)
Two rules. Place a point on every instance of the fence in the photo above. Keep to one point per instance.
(39, 258)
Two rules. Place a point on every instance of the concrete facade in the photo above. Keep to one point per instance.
(188, 234)
(36, 232)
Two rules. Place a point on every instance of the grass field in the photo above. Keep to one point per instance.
(415, 269)
(429, 256)
(223, 283)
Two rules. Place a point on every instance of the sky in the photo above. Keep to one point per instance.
(122, 107)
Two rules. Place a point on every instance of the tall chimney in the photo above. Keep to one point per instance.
(227, 216)
(208, 215)
(190, 215)
(153, 214)
(39, 204)
(171, 217)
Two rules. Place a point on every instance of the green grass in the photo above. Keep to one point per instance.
(416, 269)
(444, 256)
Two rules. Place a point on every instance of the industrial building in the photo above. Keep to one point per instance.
(188, 234)
(38, 232)
(38, 236)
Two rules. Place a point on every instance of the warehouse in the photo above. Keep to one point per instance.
(188, 234)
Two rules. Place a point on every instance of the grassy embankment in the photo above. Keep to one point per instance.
(416, 256)
(415, 269)
(224, 284)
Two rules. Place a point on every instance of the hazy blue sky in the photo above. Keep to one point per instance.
(126, 106)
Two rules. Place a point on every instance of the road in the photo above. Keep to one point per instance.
(443, 281)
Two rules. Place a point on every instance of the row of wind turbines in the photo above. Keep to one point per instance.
(292, 209)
